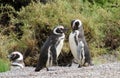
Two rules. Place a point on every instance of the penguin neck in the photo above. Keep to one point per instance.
(20, 64)
(59, 35)
(80, 32)
(18, 61)
(75, 31)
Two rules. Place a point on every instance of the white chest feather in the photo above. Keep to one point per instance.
(72, 44)
(76, 49)
(58, 50)
(21, 65)
(60, 45)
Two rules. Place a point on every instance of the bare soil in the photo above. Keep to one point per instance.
(108, 70)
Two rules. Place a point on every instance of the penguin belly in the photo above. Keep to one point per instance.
(60, 45)
(73, 46)
(77, 50)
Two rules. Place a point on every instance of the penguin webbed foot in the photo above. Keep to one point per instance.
(91, 64)
(79, 66)
(69, 65)
(88, 64)
(47, 69)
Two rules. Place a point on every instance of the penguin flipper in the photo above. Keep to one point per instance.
(41, 62)
(54, 55)
(87, 54)
(79, 49)
(38, 67)
(47, 69)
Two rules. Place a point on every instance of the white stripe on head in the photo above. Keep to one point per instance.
(77, 20)
(54, 30)
(21, 56)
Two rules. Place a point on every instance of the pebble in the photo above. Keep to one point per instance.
(109, 70)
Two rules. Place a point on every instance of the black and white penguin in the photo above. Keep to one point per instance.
(78, 44)
(16, 59)
(51, 49)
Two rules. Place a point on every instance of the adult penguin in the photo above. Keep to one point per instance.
(78, 44)
(51, 48)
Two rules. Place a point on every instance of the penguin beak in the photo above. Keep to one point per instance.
(73, 27)
(65, 29)
(8, 56)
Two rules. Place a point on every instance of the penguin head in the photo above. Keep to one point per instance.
(76, 24)
(59, 30)
(15, 56)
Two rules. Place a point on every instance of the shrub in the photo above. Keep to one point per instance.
(101, 26)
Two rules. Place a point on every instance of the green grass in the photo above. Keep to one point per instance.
(4, 65)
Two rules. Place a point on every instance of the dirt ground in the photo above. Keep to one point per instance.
(108, 70)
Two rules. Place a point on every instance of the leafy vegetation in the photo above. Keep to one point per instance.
(4, 66)
(29, 26)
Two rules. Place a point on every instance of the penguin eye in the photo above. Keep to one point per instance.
(14, 56)
(61, 28)
(77, 24)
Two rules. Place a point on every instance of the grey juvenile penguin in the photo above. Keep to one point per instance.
(78, 44)
(51, 48)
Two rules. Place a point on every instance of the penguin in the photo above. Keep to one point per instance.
(51, 48)
(16, 59)
(78, 44)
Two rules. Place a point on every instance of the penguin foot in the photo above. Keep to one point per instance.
(79, 66)
(91, 64)
(47, 69)
(88, 64)
(50, 69)
(69, 65)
